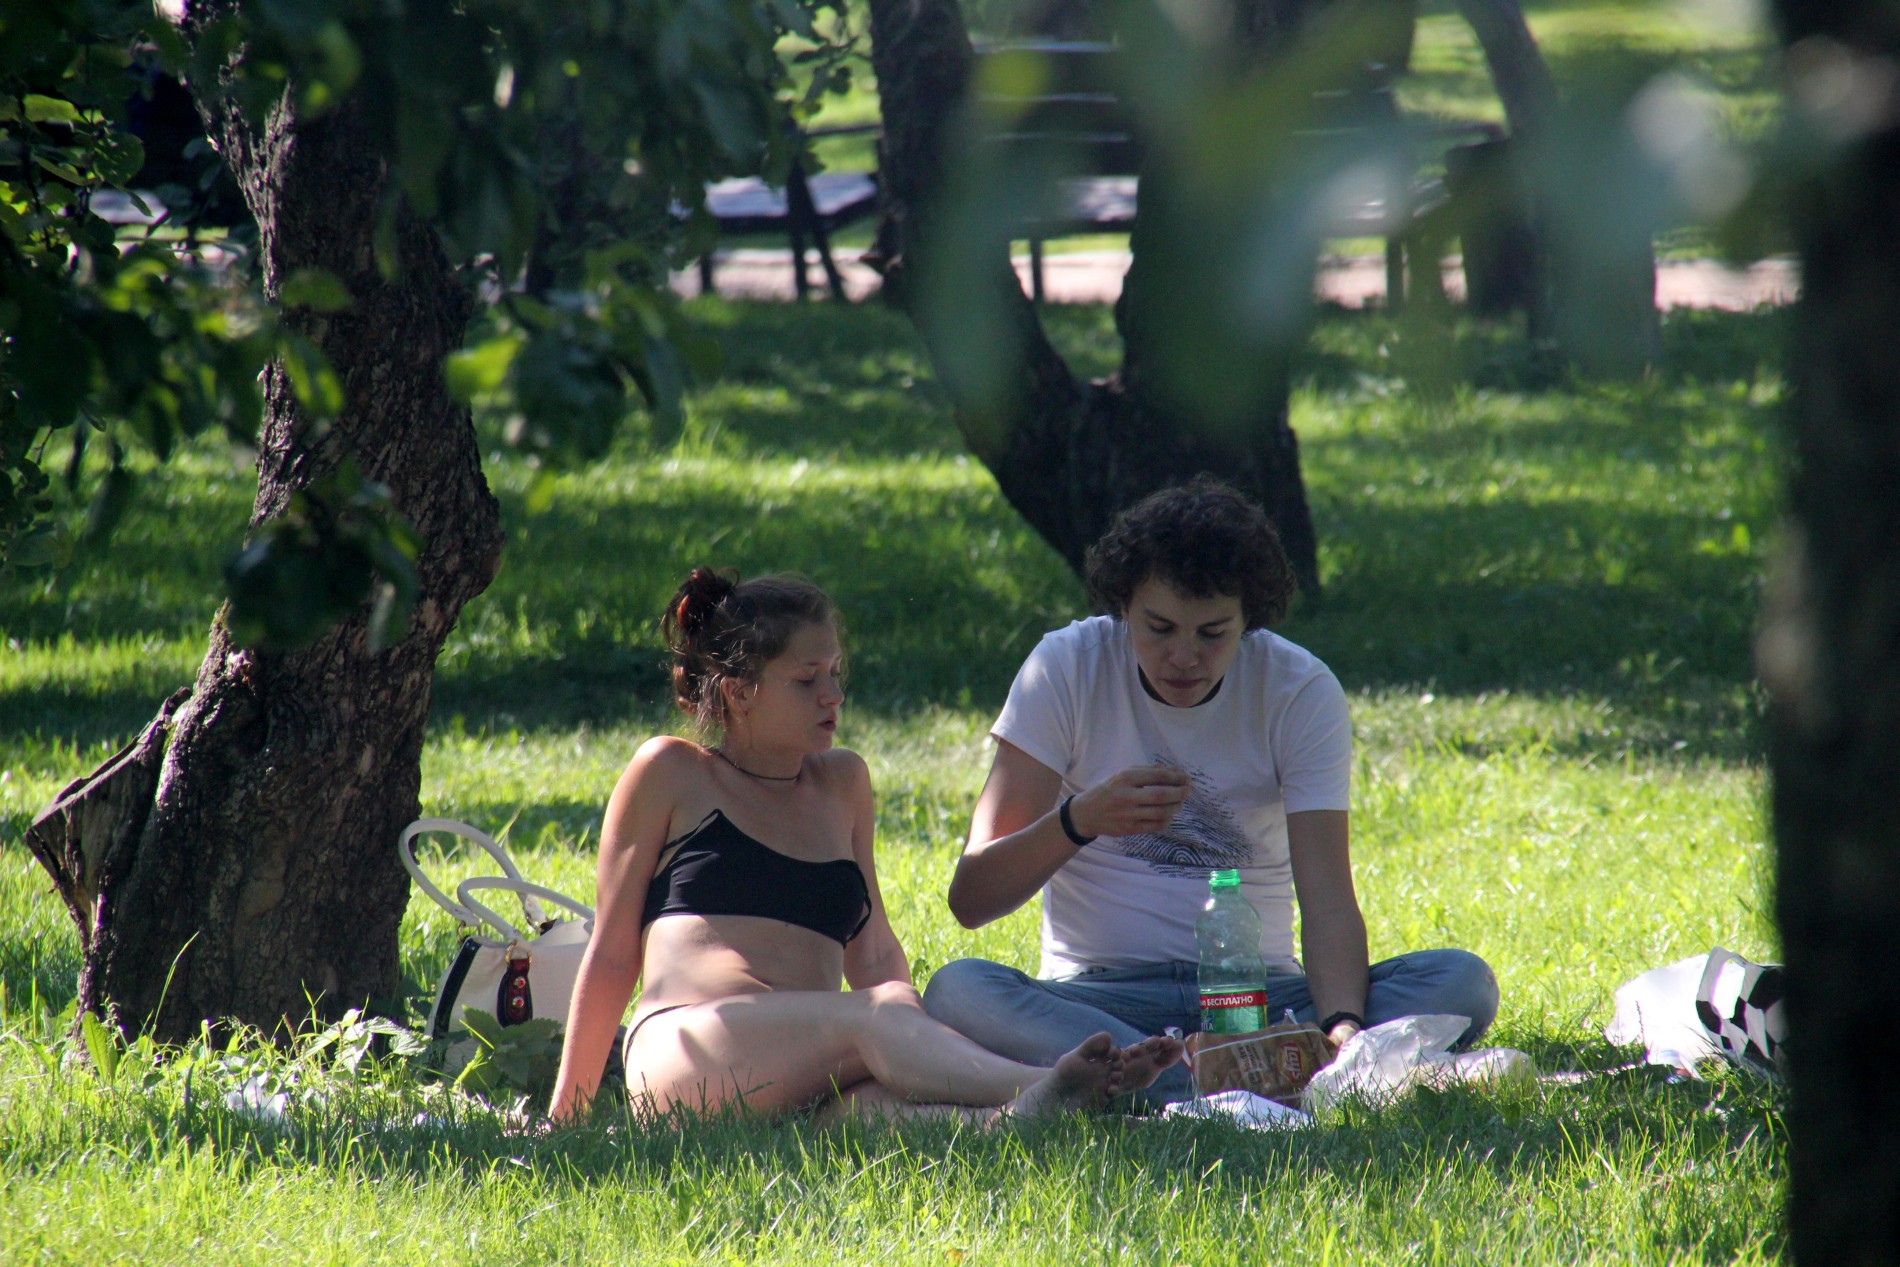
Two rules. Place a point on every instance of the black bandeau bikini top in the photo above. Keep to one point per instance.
(716, 869)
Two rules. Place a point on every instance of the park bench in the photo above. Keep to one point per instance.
(1077, 114)
(807, 208)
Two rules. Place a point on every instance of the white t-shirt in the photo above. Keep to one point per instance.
(1274, 739)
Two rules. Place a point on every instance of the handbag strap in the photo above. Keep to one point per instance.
(405, 849)
(484, 915)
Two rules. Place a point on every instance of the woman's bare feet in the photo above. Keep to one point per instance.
(1144, 1061)
(1084, 1079)
(1096, 1072)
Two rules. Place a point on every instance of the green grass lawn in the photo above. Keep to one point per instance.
(1538, 597)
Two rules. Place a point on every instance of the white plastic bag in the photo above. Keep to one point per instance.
(1242, 1108)
(1384, 1062)
(1657, 1010)
(1739, 1003)
(1718, 1004)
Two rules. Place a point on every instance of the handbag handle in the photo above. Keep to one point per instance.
(526, 890)
(405, 849)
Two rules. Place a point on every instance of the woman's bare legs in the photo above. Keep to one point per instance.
(874, 1100)
(1085, 1078)
(790, 1049)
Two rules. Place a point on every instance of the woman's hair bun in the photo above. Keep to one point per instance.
(698, 598)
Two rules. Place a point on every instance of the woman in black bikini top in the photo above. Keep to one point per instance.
(737, 884)
(716, 869)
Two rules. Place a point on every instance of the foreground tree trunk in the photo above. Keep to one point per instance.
(1067, 454)
(1830, 653)
(239, 858)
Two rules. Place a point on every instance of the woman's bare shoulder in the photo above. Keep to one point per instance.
(841, 766)
(662, 772)
(666, 757)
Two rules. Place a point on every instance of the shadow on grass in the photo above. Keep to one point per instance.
(105, 716)
(1532, 598)
(594, 681)
(817, 379)
(942, 591)
(1435, 580)
(1350, 347)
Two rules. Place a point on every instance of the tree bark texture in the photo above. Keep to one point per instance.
(1067, 454)
(240, 857)
(1830, 654)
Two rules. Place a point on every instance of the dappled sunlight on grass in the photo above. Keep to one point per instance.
(941, 586)
(1615, 1170)
(798, 379)
(1539, 598)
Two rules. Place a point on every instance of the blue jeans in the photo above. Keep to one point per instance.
(1034, 1021)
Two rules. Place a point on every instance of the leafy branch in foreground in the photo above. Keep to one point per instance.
(402, 162)
(563, 153)
(99, 346)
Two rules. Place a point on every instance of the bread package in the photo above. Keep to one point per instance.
(1276, 1062)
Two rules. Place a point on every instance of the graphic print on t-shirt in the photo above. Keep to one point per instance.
(1203, 836)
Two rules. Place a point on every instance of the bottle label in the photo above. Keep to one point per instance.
(1233, 1011)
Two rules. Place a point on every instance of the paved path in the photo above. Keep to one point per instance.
(1353, 281)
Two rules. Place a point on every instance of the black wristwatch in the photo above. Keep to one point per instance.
(1326, 1026)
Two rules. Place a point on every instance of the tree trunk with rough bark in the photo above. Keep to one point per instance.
(1067, 454)
(239, 858)
(1830, 655)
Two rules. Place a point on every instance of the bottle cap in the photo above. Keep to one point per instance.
(1223, 879)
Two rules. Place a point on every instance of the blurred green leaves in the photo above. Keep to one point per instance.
(460, 96)
(559, 149)
(1243, 157)
(144, 351)
(339, 542)
(1255, 149)
(96, 339)
(314, 289)
(560, 367)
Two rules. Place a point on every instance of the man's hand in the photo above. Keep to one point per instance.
(1139, 799)
(1341, 1034)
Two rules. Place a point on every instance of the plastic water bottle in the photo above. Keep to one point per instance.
(1233, 977)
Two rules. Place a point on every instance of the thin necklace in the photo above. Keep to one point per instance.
(720, 752)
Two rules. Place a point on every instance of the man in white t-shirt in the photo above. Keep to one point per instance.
(1140, 750)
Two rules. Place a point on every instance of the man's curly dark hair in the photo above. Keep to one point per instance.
(1204, 540)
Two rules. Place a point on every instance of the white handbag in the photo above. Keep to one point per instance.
(515, 974)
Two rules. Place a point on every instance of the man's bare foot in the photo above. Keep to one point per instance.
(1086, 1079)
(1144, 1061)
